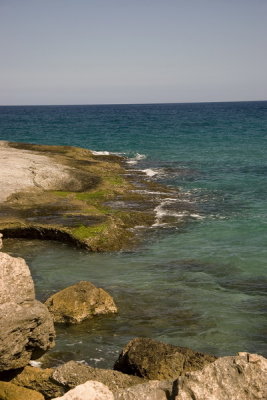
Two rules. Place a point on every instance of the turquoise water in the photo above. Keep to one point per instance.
(201, 284)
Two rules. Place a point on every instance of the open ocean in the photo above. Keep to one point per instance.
(201, 284)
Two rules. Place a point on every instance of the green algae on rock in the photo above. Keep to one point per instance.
(72, 195)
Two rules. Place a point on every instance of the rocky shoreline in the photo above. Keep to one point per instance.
(92, 201)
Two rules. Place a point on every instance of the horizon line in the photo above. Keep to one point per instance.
(130, 104)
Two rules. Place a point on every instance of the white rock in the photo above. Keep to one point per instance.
(90, 390)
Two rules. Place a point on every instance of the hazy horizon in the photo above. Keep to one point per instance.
(61, 52)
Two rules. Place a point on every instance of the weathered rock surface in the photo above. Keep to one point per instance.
(151, 359)
(40, 380)
(26, 326)
(79, 302)
(73, 373)
(90, 390)
(9, 391)
(152, 390)
(229, 378)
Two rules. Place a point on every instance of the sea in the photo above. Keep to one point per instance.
(199, 283)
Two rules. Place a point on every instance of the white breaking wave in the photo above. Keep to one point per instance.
(36, 364)
(162, 212)
(100, 153)
(150, 172)
(134, 160)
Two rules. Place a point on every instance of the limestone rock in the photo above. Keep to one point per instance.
(90, 390)
(233, 378)
(26, 326)
(155, 360)
(152, 390)
(79, 302)
(40, 380)
(73, 373)
(9, 391)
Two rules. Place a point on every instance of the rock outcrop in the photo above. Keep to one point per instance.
(27, 328)
(79, 302)
(90, 390)
(73, 373)
(242, 377)
(151, 359)
(9, 391)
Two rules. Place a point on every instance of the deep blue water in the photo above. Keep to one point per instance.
(202, 285)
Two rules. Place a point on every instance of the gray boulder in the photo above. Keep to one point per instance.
(79, 302)
(27, 329)
(243, 377)
(152, 390)
(151, 359)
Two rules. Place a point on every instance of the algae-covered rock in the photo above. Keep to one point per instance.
(27, 329)
(233, 378)
(9, 391)
(155, 360)
(79, 302)
(40, 380)
(73, 373)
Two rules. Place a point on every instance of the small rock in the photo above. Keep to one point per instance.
(9, 391)
(73, 373)
(152, 390)
(40, 380)
(79, 302)
(151, 359)
(90, 390)
(242, 377)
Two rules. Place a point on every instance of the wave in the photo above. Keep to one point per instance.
(100, 153)
(134, 160)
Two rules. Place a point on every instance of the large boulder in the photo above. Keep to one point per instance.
(9, 391)
(27, 329)
(151, 359)
(73, 373)
(152, 390)
(90, 390)
(79, 302)
(242, 377)
(40, 380)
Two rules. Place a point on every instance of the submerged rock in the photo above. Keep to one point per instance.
(243, 377)
(79, 302)
(9, 391)
(90, 390)
(27, 329)
(73, 373)
(151, 359)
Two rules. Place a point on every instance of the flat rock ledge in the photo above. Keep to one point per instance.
(78, 302)
(27, 329)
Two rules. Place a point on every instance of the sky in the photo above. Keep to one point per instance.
(132, 51)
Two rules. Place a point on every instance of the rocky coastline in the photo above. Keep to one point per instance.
(94, 202)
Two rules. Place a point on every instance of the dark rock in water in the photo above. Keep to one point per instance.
(151, 359)
(79, 302)
(27, 329)
(241, 377)
(40, 380)
(73, 373)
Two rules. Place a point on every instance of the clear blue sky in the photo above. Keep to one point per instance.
(132, 51)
